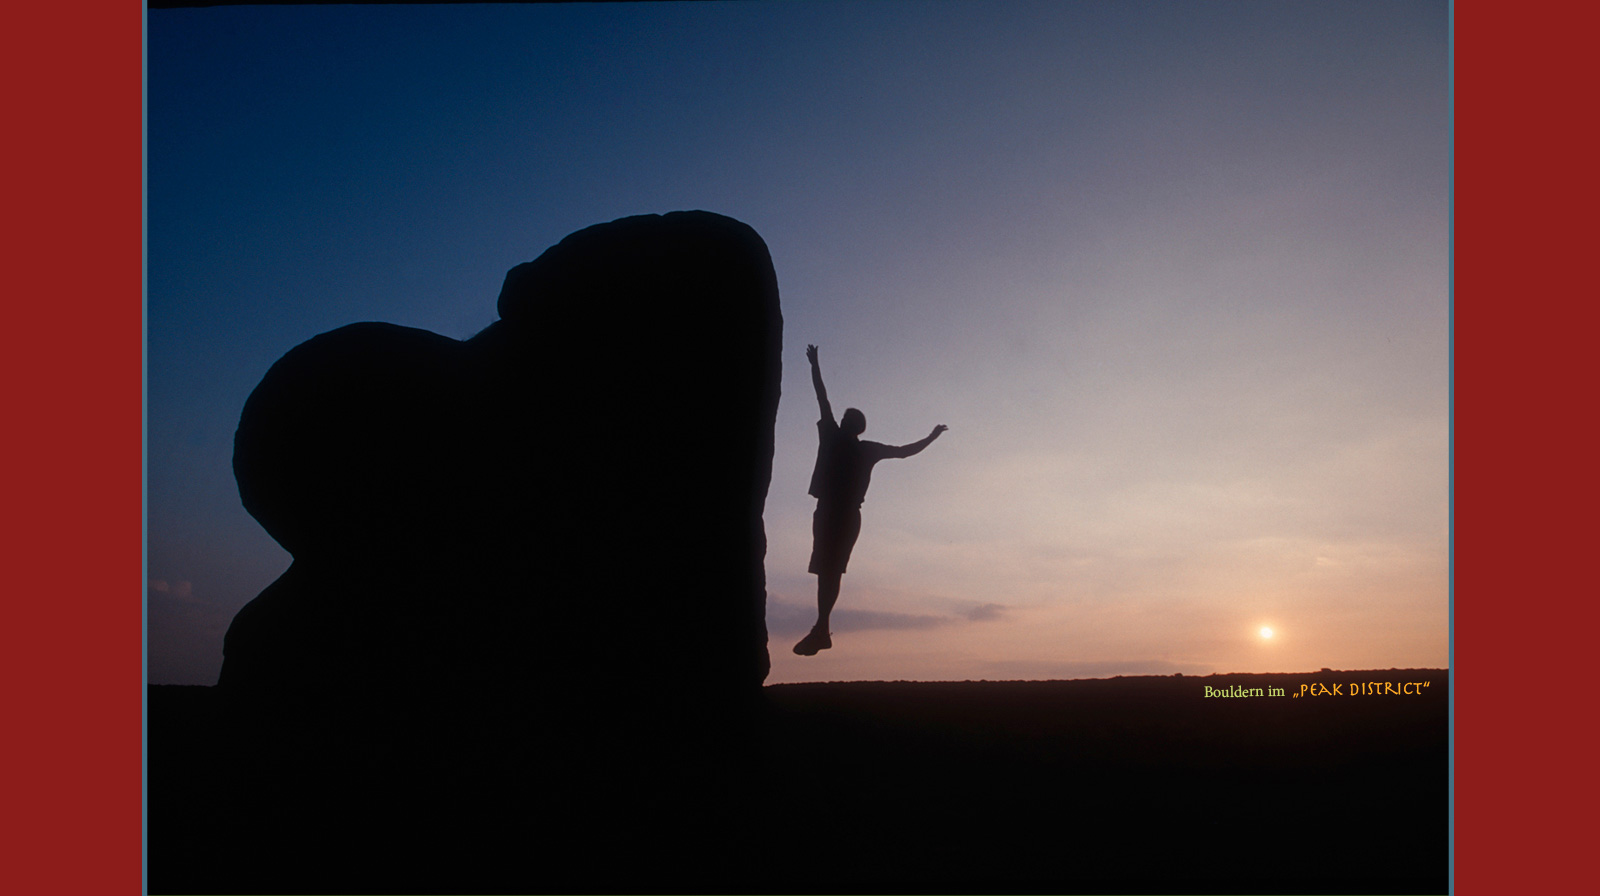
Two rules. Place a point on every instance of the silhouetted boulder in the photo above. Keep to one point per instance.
(568, 502)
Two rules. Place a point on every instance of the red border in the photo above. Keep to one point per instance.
(72, 374)
(1525, 482)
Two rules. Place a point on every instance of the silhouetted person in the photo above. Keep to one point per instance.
(839, 483)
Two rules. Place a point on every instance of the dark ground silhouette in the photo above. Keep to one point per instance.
(1127, 785)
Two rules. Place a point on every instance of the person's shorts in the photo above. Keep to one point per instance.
(833, 534)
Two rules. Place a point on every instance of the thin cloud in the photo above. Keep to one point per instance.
(864, 620)
(787, 618)
(985, 613)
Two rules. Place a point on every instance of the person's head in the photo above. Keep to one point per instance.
(853, 423)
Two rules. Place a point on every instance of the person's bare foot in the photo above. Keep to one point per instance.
(810, 644)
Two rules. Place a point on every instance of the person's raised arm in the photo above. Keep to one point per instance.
(816, 382)
(914, 447)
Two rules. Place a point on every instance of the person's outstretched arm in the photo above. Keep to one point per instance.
(914, 447)
(816, 382)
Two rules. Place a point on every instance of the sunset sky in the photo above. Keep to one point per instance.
(1175, 275)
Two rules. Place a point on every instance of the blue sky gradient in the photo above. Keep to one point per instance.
(1174, 274)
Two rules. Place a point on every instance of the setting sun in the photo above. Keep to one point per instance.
(1266, 632)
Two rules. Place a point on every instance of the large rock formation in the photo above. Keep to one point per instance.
(567, 504)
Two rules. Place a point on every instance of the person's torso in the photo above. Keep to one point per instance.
(843, 470)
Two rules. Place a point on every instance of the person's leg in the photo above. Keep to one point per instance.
(827, 596)
(833, 534)
(845, 529)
